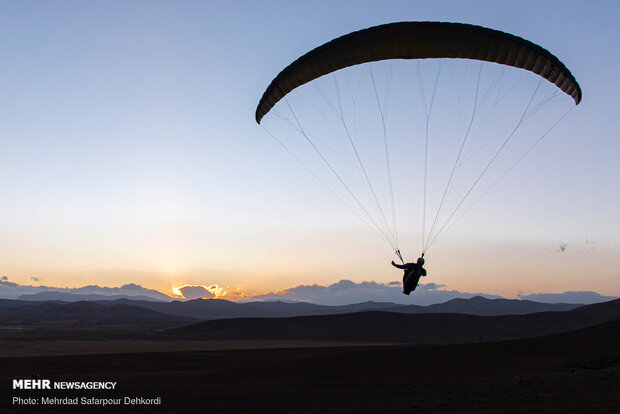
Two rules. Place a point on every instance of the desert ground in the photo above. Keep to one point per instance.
(577, 371)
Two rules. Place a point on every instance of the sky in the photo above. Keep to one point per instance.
(129, 153)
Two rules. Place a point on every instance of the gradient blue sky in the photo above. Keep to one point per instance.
(129, 152)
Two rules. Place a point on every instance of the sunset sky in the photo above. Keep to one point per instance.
(129, 153)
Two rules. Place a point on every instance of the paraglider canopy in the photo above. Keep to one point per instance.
(419, 40)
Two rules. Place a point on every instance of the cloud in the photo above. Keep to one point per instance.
(195, 292)
(234, 293)
(208, 292)
(434, 286)
(347, 292)
(567, 297)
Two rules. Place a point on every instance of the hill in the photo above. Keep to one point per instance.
(570, 372)
(482, 306)
(375, 326)
(86, 313)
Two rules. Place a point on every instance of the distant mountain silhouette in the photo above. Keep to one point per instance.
(585, 297)
(129, 289)
(86, 312)
(207, 309)
(77, 297)
(219, 308)
(10, 290)
(482, 306)
(398, 327)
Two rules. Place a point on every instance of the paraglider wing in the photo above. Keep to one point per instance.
(419, 40)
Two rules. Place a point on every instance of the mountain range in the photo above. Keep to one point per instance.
(457, 321)
(423, 328)
(59, 311)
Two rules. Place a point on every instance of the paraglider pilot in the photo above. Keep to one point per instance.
(413, 273)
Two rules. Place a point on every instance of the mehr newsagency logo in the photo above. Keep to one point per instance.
(46, 384)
